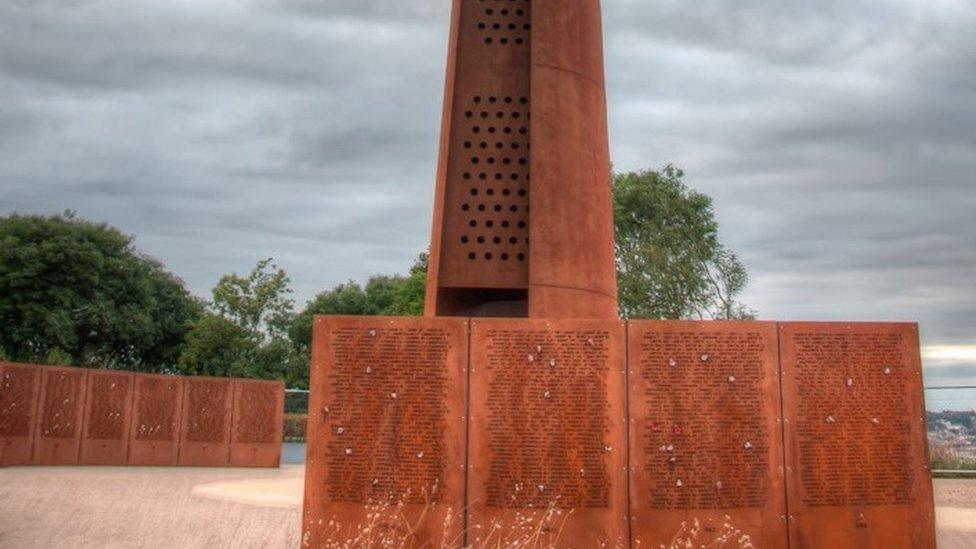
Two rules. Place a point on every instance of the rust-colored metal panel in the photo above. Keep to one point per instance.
(572, 270)
(386, 432)
(705, 434)
(258, 422)
(856, 447)
(57, 437)
(108, 414)
(481, 224)
(524, 76)
(154, 437)
(206, 426)
(20, 385)
(548, 440)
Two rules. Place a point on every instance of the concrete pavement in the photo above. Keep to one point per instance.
(150, 507)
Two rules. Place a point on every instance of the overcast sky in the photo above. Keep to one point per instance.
(838, 138)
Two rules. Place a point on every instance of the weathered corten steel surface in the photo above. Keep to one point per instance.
(706, 436)
(571, 271)
(257, 434)
(57, 436)
(856, 448)
(386, 428)
(154, 437)
(20, 386)
(548, 444)
(108, 413)
(482, 263)
(52, 415)
(206, 426)
(480, 251)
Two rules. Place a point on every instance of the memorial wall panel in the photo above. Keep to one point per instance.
(856, 448)
(386, 432)
(154, 437)
(20, 385)
(206, 427)
(706, 436)
(258, 423)
(57, 436)
(548, 443)
(108, 413)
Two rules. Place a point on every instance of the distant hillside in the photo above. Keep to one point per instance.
(952, 439)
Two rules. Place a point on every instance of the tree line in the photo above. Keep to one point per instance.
(75, 292)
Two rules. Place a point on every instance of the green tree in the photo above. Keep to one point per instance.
(394, 295)
(258, 302)
(410, 292)
(670, 262)
(77, 292)
(218, 347)
(246, 332)
(344, 299)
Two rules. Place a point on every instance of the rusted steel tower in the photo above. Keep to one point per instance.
(523, 221)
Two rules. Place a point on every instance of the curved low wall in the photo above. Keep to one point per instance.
(52, 415)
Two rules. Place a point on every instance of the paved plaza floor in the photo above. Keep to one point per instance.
(110, 507)
(122, 507)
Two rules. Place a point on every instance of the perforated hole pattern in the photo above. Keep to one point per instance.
(495, 150)
(497, 176)
(505, 22)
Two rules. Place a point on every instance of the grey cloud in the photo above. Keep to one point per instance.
(835, 136)
(371, 10)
